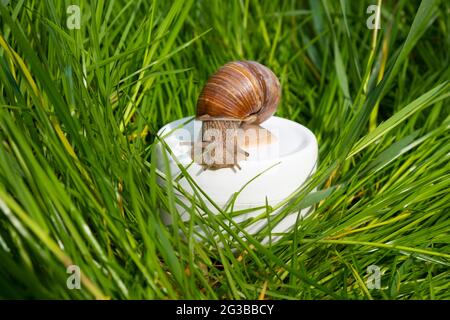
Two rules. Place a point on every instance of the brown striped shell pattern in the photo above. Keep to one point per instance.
(240, 90)
(239, 95)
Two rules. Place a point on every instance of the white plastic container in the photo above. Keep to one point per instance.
(280, 169)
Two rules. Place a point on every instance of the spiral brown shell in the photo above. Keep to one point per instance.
(238, 90)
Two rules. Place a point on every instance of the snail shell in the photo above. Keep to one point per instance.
(240, 94)
(240, 90)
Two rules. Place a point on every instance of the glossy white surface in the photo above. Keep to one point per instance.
(280, 168)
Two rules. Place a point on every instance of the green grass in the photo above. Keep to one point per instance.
(79, 110)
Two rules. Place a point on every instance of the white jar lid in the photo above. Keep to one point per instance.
(272, 171)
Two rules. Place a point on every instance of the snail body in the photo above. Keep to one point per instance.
(240, 95)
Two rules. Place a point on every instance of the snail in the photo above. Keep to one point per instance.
(238, 97)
